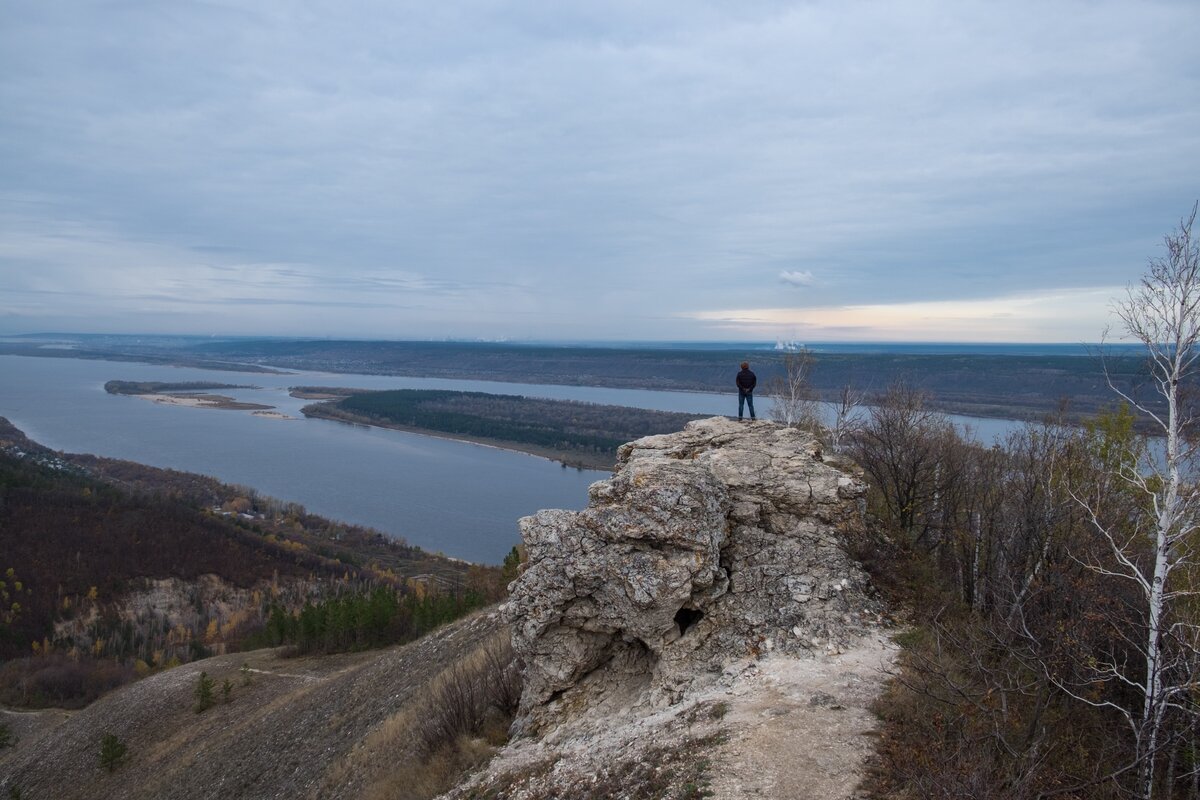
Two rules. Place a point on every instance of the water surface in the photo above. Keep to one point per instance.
(454, 497)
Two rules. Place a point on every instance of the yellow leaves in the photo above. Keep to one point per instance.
(212, 631)
(93, 594)
(180, 634)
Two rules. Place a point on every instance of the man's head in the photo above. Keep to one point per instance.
(745, 365)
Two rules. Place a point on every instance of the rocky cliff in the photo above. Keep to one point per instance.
(709, 545)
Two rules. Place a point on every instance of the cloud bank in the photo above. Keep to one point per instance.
(590, 170)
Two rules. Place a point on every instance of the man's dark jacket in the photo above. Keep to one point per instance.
(746, 381)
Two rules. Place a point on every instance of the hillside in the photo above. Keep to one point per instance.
(697, 631)
(324, 727)
(110, 569)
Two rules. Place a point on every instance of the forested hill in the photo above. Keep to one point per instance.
(584, 434)
(118, 565)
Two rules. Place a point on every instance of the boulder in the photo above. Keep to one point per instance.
(720, 541)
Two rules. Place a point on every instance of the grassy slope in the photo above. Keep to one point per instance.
(328, 727)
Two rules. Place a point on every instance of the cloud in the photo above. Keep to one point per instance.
(591, 165)
(1063, 315)
(797, 277)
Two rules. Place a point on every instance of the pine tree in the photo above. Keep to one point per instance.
(112, 752)
(204, 693)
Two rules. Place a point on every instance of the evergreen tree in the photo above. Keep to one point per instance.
(112, 752)
(204, 693)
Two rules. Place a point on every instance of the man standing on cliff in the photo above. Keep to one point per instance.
(746, 381)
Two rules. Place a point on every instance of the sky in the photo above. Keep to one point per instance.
(811, 171)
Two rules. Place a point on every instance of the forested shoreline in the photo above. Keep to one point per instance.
(160, 387)
(575, 433)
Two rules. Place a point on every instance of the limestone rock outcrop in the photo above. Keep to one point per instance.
(718, 542)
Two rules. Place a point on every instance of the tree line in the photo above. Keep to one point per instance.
(563, 425)
(362, 619)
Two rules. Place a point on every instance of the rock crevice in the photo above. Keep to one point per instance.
(714, 543)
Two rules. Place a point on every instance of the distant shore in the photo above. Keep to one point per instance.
(1026, 386)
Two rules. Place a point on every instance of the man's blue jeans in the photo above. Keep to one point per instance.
(746, 399)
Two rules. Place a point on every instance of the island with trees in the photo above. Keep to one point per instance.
(186, 393)
(575, 433)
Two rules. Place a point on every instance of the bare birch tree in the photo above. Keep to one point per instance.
(1156, 549)
(792, 399)
(847, 416)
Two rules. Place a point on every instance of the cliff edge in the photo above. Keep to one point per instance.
(699, 625)
(718, 542)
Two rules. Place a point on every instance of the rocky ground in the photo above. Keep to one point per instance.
(780, 727)
(722, 541)
(698, 630)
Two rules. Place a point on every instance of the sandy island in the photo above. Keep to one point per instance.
(204, 401)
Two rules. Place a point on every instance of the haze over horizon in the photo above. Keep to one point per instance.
(820, 172)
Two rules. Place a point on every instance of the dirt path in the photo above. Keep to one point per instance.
(800, 728)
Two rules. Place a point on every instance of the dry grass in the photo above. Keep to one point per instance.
(456, 728)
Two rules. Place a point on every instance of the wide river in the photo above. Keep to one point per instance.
(445, 496)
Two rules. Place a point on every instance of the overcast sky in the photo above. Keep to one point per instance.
(821, 171)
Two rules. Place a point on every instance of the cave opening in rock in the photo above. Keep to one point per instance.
(686, 617)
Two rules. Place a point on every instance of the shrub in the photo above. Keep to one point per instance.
(203, 693)
(478, 696)
(112, 752)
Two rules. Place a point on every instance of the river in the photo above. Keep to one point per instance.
(451, 497)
